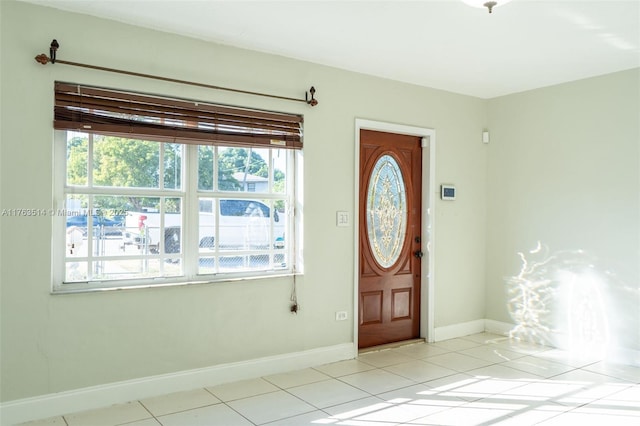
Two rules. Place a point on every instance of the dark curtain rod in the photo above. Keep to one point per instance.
(44, 59)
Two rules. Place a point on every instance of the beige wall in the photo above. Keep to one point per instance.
(564, 170)
(56, 343)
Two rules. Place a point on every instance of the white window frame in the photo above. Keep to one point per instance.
(190, 238)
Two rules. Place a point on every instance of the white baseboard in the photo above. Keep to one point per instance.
(458, 330)
(57, 404)
(472, 327)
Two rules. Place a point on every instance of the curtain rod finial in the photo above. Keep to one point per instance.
(42, 59)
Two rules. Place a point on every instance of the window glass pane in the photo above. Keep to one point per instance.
(172, 226)
(280, 224)
(135, 239)
(207, 265)
(77, 153)
(172, 267)
(106, 241)
(244, 224)
(173, 165)
(108, 225)
(76, 271)
(125, 163)
(280, 260)
(144, 226)
(206, 222)
(108, 221)
(243, 169)
(76, 240)
(75, 212)
(76, 205)
(205, 168)
(279, 167)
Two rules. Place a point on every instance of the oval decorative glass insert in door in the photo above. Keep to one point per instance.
(386, 211)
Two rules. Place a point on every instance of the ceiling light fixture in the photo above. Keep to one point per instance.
(484, 3)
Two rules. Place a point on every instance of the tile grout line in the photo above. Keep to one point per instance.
(148, 411)
(239, 413)
(238, 399)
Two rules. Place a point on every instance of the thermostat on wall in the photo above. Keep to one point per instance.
(448, 192)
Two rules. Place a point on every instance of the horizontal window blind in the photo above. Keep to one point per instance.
(141, 116)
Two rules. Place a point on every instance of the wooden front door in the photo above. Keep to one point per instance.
(389, 238)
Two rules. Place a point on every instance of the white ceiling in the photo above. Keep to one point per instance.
(444, 44)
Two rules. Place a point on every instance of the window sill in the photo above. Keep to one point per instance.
(62, 291)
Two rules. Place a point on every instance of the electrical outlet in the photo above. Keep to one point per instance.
(341, 316)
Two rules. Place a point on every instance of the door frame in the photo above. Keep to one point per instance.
(427, 293)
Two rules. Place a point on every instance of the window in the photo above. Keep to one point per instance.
(143, 209)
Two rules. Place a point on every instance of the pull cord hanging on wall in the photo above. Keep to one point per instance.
(44, 59)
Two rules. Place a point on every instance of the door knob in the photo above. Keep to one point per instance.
(418, 254)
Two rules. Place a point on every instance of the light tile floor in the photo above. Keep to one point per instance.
(477, 380)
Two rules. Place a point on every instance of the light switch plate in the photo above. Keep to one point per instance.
(343, 219)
